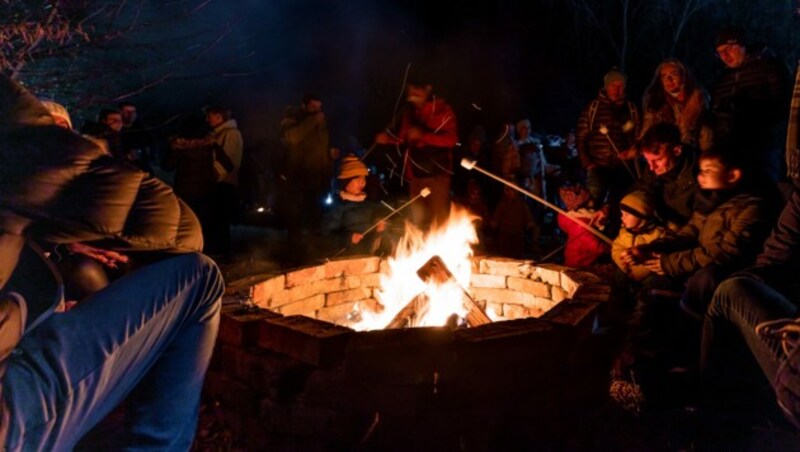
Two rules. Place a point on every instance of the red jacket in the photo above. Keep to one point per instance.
(430, 154)
(582, 248)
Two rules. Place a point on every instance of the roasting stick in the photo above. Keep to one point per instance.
(472, 165)
(422, 194)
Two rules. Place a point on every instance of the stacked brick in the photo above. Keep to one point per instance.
(284, 376)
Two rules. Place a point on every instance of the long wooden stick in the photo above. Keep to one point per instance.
(422, 194)
(472, 165)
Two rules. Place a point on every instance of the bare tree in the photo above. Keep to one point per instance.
(86, 52)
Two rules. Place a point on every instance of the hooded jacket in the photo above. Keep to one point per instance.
(60, 187)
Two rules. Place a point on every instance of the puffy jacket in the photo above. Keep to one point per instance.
(731, 235)
(627, 240)
(58, 186)
(582, 248)
(593, 146)
(348, 217)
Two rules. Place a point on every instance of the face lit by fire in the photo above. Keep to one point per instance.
(732, 55)
(714, 175)
(662, 158)
(113, 121)
(417, 95)
(615, 90)
(630, 221)
(313, 106)
(356, 185)
(671, 79)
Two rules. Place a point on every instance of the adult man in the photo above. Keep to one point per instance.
(149, 334)
(607, 122)
(135, 141)
(671, 174)
(309, 168)
(110, 130)
(429, 132)
(226, 135)
(751, 100)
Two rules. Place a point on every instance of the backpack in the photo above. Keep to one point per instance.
(634, 113)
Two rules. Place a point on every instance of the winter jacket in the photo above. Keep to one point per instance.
(308, 161)
(229, 139)
(779, 260)
(593, 146)
(674, 191)
(348, 217)
(692, 118)
(730, 236)
(628, 239)
(430, 155)
(60, 187)
(582, 248)
(193, 163)
(750, 100)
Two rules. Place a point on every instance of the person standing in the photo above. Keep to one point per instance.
(309, 169)
(607, 127)
(228, 139)
(429, 132)
(751, 100)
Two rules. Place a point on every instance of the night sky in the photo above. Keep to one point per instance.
(540, 59)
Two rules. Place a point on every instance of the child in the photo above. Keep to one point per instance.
(353, 214)
(725, 232)
(638, 228)
(582, 248)
(511, 220)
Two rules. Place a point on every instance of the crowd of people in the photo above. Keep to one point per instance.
(682, 202)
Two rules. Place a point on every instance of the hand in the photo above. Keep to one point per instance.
(381, 226)
(385, 138)
(355, 238)
(628, 154)
(654, 264)
(106, 257)
(414, 134)
(600, 217)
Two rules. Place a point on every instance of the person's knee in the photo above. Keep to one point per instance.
(727, 293)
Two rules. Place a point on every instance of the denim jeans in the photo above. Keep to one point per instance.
(729, 337)
(149, 335)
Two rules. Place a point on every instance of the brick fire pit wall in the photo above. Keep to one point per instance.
(292, 374)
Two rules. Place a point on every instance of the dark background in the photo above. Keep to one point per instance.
(541, 59)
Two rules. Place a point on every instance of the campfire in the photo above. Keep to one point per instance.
(427, 279)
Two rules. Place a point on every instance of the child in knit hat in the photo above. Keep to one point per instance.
(353, 213)
(638, 228)
(582, 249)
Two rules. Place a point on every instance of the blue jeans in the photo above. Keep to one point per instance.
(149, 335)
(729, 337)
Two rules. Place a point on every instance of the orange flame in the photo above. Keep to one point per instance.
(452, 242)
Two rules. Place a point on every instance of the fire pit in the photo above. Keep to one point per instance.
(295, 372)
(354, 352)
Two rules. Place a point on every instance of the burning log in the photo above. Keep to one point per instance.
(434, 271)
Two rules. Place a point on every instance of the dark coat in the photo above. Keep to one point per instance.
(593, 146)
(729, 236)
(348, 217)
(673, 192)
(60, 187)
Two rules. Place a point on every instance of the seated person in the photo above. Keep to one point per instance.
(638, 228)
(723, 235)
(353, 214)
(736, 355)
(583, 248)
(149, 334)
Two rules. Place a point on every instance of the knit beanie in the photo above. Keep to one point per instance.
(614, 75)
(731, 34)
(637, 203)
(352, 167)
(57, 110)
